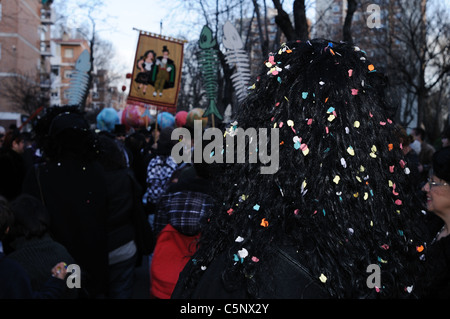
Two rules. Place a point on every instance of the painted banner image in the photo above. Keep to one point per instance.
(156, 73)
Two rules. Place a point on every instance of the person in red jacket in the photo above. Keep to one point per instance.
(178, 225)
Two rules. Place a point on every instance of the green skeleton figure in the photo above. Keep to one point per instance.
(210, 62)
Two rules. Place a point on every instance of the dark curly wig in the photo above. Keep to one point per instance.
(342, 192)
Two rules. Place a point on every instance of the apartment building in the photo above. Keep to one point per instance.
(66, 52)
(24, 49)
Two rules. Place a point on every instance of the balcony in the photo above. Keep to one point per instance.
(45, 48)
(46, 17)
(45, 82)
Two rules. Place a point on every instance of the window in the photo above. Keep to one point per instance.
(55, 70)
(68, 74)
(68, 53)
(0, 11)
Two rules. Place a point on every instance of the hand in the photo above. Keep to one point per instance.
(60, 270)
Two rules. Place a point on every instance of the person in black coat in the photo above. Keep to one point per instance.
(71, 184)
(126, 221)
(12, 165)
(15, 283)
(31, 243)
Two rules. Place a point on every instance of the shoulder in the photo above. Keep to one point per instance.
(14, 280)
(171, 162)
(296, 279)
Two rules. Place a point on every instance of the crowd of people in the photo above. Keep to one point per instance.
(353, 189)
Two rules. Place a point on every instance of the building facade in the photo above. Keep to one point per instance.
(24, 51)
(66, 51)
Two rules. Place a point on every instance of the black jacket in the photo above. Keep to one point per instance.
(289, 280)
(74, 193)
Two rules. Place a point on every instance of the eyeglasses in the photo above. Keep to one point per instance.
(433, 183)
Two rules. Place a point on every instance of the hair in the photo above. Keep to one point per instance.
(420, 132)
(446, 132)
(71, 138)
(11, 137)
(6, 217)
(31, 218)
(441, 163)
(348, 203)
(404, 138)
(147, 53)
(110, 155)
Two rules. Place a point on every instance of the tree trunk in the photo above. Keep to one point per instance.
(347, 34)
(301, 23)
(283, 21)
(262, 41)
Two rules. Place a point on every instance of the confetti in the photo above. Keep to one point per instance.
(371, 67)
(255, 259)
(243, 253)
(239, 239)
(256, 207)
(336, 179)
(264, 223)
(351, 151)
(304, 95)
(323, 278)
(350, 73)
(354, 91)
(374, 150)
(305, 149)
(356, 124)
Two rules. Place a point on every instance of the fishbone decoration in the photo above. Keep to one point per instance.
(209, 61)
(236, 57)
(80, 79)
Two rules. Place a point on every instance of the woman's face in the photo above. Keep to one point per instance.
(149, 57)
(445, 142)
(438, 195)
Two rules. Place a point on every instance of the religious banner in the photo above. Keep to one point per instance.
(156, 75)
